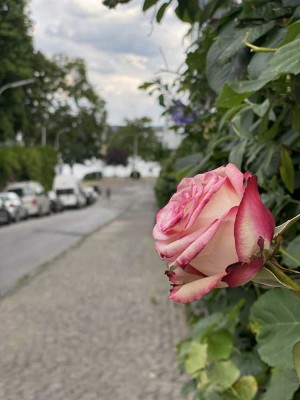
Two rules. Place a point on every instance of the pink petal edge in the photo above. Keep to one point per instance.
(240, 273)
(194, 290)
(252, 221)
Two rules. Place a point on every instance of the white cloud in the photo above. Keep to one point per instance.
(121, 48)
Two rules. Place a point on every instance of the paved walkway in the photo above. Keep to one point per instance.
(96, 324)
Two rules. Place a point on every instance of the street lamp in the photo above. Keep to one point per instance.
(135, 149)
(56, 145)
(16, 84)
(135, 174)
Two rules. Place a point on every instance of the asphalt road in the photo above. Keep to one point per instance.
(29, 244)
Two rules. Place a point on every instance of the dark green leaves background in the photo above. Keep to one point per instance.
(242, 79)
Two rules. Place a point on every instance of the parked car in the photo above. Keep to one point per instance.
(69, 191)
(14, 206)
(4, 214)
(33, 195)
(90, 195)
(56, 204)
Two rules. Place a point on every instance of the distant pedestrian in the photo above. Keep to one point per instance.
(108, 193)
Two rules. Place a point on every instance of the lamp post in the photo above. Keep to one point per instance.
(135, 150)
(64, 130)
(135, 173)
(23, 82)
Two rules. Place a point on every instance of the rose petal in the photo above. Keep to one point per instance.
(169, 250)
(181, 276)
(252, 221)
(241, 273)
(219, 203)
(197, 246)
(194, 290)
(220, 251)
(169, 216)
(236, 178)
(158, 235)
(210, 189)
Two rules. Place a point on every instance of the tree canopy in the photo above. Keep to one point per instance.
(60, 107)
(137, 136)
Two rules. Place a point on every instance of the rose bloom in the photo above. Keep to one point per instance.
(213, 232)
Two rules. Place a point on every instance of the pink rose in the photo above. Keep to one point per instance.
(213, 232)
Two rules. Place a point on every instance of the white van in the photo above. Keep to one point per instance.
(69, 191)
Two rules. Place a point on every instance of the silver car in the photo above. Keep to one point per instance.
(13, 205)
(33, 195)
(4, 214)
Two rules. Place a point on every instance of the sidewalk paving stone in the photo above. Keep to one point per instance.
(96, 324)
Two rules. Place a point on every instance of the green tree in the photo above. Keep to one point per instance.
(137, 135)
(16, 49)
(78, 123)
(60, 98)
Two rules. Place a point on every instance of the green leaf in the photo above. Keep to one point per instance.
(281, 229)
(224, 374)
(148, 4)
(228, 115)
(229, 98)
(187, 11)
(251, 85)
(260, 109)
(206, 325)
(220, 345)
(267, 278)
(248, 362)
(161, 100)
(291, 255)
(210, 394)
(286, 59)
(287, 170)
(161, 12)
(227, 57)
(275, 318)
(295, 118)
(290, 3)
(182, 349)
(196, 358)
(263, 10)
(261, 61)
(237, 153)
(296, 14)
(296, 358)
(146, 85)
(283, 384)
(293, 30)
(189, 387)
(244, 389)
(187, 164)
(189, 161)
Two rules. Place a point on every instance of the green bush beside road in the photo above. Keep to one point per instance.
(19, 164)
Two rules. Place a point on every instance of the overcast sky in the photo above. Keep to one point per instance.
(120, 47)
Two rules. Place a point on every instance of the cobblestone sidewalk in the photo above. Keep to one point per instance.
(96, 324)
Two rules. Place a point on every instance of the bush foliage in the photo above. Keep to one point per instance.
(242, 80)
(20, 164)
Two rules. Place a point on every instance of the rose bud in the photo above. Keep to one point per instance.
(213, 232)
